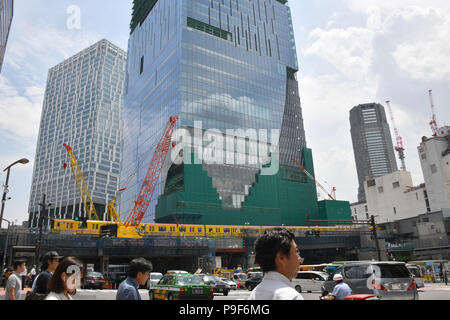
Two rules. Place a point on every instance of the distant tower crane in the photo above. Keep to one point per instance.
(433, 122)
(332, 197)
(399, 147)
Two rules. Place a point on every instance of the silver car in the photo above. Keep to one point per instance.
(387, 280)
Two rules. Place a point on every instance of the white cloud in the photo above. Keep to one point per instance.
(20, 112)
(348, 50)
(426, 57)
(373, 51)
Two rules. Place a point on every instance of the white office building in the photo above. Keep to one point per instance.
(82, 108)
(434, 156)
(392, 197)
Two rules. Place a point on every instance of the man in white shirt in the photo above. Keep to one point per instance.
(278, 256)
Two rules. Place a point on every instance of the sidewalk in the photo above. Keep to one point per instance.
(436, 286)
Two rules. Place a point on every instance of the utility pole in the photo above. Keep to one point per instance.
(374, 231)
(371, 223)
(43, 215)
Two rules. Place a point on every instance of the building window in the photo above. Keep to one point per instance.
(423, 156)
(380, 190)
(396, 185)
(204, 27)
(142, 65)
(371, 183)
(395, 211)
(433, 168)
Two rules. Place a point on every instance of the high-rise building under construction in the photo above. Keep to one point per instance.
(224, 65)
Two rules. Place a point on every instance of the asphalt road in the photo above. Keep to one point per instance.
(430, 292)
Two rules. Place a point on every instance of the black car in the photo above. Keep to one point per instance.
(253, 281)
(94, 280)
(218, 285)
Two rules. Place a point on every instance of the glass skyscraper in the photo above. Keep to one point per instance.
(82, 107)
(228, 65)
(372, 144)
(6, 16)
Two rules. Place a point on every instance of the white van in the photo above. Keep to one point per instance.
(309, 281)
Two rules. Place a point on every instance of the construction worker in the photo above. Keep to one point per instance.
(341, 289)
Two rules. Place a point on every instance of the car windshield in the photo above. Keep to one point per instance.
(208, 278)
(322, 275)
(156, 276)
(240, 276)
(256, 275)
(94, 274)
(183, 280)
(394, 271)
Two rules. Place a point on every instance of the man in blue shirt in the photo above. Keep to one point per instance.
(138, 272)
(341, 289)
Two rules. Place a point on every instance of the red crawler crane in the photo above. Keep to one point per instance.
(151, 179)
(399, 148)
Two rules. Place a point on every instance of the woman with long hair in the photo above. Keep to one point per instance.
(65, 279)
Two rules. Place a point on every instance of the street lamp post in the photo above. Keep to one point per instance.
(5, 189)
(6, 247)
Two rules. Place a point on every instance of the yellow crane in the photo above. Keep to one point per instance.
(82, 186)
(111, 213)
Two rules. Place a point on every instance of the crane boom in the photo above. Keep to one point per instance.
(81, 184)
(314, 179)
(399, 147)
(151, 179)
(433, 122)
(111, 213)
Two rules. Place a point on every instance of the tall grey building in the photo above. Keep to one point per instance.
(372, 143)
(6, 16)
(82, 107)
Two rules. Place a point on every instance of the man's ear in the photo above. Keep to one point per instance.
(280, 258)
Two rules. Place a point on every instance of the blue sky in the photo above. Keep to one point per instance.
(350, 52)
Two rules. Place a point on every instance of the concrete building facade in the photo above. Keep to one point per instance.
(434, 155)
(392, 197)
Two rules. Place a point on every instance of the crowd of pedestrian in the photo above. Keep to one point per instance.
(60, 277)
